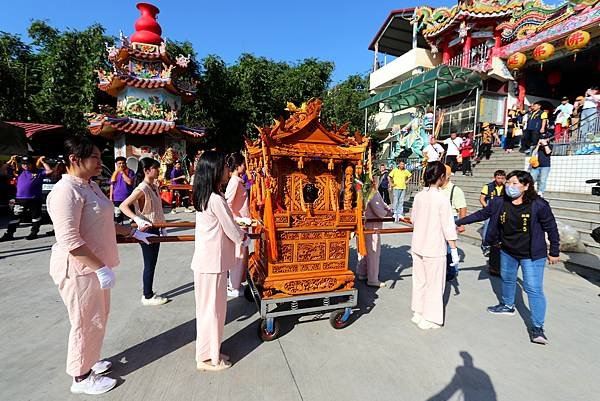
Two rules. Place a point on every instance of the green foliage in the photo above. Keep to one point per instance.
(16, 76)
(66, 62)
(340, 104)
(266, 86)
(53, 81)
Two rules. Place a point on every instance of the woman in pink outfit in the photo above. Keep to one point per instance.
(237, 199)
(433, 227)
(82, 260)
(368, 267)
(217, 235)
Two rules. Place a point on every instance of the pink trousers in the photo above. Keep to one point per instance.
(428, 283)
(88, 306)
(210, 291)
(369, 265)
(237, 274)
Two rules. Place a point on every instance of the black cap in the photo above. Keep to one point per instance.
(26, 160)
(120, 159)
(565, 98)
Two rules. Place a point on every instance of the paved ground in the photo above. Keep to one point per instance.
(380, 356)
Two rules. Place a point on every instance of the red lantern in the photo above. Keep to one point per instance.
(516, 61)
(554, 78)
(577, 41)
(543, 52)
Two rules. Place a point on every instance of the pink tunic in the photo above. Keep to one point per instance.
(237, 197)
(82, 214)
(433, 223)
(216, 236)
(369, 265)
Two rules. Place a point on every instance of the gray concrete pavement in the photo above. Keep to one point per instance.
(380, 356)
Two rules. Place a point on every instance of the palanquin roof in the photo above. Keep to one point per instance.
(303, 135)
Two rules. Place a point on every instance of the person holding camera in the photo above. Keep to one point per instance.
(121, 185)
(28, 198)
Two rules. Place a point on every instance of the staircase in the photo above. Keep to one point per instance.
(580, 211)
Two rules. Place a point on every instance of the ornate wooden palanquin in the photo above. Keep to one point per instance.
(304, 194)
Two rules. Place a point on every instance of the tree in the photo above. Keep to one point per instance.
(16, 61)
(66, 62)
(340, 104)
(267, 85)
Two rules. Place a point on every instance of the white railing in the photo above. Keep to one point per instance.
(478, 58)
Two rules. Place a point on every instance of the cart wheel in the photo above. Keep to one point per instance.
(339, 319)
(248, 294)
(266, 335)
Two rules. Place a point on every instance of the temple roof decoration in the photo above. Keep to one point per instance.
(533, 17)
(435, 21)
(303, 135)
(146, 82)
(100, 123)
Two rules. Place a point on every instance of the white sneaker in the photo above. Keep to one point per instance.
(427, 325)
(173, 211)
(233, 293)
(154, 301)
(101, 367)
(93, 385)
(190, 210)
(417, 318)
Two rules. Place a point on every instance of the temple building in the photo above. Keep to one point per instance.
(475, 60)
(149, 89)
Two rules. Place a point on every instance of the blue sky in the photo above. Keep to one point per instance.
(334, 30)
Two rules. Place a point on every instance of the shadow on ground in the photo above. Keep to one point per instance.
(469, 381)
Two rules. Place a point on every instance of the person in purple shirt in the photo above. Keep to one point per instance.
(178, 177)
(121, 185)
(28, 198)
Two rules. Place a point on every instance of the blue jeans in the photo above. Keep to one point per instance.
(587, 122)
(540, 176)
(483, 233)
(150, 254)
(533, 280)
(398, 202)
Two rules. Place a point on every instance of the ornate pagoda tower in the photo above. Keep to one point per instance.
(149, 93)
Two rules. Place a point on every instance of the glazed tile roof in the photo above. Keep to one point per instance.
(118, 81)
(143, 127)
(33, 128)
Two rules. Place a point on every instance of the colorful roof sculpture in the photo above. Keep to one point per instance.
(303, 135)
(533, 17)
(434, 22)
(148, 85)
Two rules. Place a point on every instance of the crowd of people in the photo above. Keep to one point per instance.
(85, 253)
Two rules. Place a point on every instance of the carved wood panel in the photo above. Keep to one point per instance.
(308, 252)
(285, 253)
(310, 267)
(337, 250)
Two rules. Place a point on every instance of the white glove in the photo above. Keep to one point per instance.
(163, 232)
(107, 277)
(246, 221)
(141, 223)
(454, 256)
(142, 236)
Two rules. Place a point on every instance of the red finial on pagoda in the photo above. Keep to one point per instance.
(147, 30)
